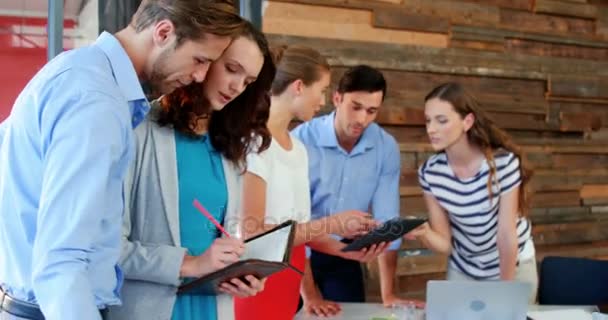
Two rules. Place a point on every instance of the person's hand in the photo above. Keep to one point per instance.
(366, 254)
(352, 223)
(221, 253)
(418, 233)
(392, 300)
(317, 306)
(238, 288)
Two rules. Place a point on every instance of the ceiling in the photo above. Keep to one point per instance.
(38, 8)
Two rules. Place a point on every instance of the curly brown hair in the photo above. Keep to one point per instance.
(241, 125)
(486, 135)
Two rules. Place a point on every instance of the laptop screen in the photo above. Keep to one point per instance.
(473, 300)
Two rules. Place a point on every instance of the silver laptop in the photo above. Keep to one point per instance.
(477, 300)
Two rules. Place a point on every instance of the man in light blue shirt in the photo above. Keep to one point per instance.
(67, 144)
(353, 165)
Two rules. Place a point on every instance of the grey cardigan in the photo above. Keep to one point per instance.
(151, 254)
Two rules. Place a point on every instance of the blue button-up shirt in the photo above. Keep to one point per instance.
(64, 153)
(365, 179)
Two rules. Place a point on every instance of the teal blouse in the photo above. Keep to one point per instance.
(200, 176)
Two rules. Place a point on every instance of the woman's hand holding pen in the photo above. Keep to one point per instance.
(221, 253)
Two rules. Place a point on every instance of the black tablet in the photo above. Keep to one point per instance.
(387, 232)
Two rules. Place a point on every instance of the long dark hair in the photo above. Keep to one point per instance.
(241, 125)
(485, 135)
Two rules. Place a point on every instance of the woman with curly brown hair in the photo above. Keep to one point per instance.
(475, 192)
(193, 146)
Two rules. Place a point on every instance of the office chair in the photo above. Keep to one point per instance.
(573, 281)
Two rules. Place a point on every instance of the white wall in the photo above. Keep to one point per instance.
(88, 24)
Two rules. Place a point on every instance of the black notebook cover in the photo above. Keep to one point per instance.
(208, 284)
(387, 232)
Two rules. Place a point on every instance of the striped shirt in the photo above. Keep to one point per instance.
(473, 219)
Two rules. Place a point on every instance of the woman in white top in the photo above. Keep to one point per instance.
(475, 192)
(276, 186)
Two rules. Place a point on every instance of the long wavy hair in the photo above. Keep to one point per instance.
(241, 125)
(485, 135)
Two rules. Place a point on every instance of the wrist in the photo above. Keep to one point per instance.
(332, 224)
(186, 268)
(309, 294)
(387, 295)
(507, 276)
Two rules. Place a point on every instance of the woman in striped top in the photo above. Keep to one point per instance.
(475, 192)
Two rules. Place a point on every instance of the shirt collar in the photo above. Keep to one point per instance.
(122, 67)
(125, 75)
(328, 136)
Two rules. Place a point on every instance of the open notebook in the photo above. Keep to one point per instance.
(265, 254)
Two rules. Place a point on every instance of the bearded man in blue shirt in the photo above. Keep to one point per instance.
(67, 144)
(353, 165)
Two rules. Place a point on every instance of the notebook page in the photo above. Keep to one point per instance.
(270, 247)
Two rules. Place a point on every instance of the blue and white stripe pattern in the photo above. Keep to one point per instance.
(473, 219)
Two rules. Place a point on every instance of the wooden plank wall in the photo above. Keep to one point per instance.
(539, 67)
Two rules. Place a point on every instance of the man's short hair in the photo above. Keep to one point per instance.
(192, 19)
(362, 78)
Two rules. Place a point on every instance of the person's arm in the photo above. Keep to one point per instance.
(509, 178)
(84, 142)
(385, 206)
(328, 245)
(312, 299)
(166, 264)
(437, 233)
(387, 266)
(162, 264)
(346, 223)
(507, 234)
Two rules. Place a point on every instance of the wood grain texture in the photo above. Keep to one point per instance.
(565, 8)
(453, 61)
(545, 23)
(401, 19)
(512, 4)
(338, 23)
(579, 86)
(554, 50)
(497, 32)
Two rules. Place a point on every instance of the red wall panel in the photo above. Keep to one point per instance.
(17, 67)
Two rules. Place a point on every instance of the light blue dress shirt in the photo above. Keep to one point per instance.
(365, 179)
(66, 147)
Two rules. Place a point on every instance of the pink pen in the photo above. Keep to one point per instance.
(208, 215)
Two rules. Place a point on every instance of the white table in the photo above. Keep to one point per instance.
(367, 311)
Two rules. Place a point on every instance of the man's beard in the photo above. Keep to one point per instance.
(153, 85)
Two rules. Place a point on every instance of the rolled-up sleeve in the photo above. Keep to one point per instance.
(83, 143)
(385, 202)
